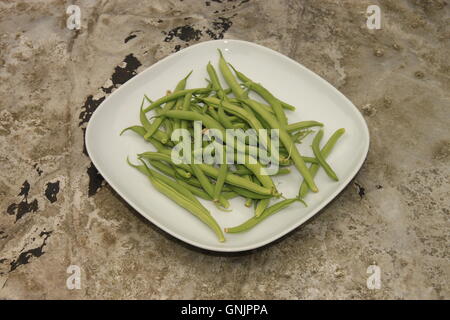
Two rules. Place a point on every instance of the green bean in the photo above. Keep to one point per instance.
(302, 125)
(287, 142)
(320, 157)
(325, 152)
(250, 223)
(248, 117)
(240, 126)
(266, 95)
(210, 88)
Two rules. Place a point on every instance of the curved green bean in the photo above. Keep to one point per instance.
(214, 173)
(321, 158)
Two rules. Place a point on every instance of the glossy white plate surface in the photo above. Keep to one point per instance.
(314, 98)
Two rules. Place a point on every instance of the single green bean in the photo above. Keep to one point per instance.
(321, 158)
(214, 173)
(185, 107)
(223, 169)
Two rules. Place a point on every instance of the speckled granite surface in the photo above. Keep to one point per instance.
(56, 211)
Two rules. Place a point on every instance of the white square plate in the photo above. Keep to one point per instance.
(314, 98)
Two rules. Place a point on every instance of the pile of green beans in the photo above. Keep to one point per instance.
(221, 108)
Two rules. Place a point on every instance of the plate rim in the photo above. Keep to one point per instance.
(217, 247)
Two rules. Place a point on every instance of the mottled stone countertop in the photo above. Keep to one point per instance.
(56, 210)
